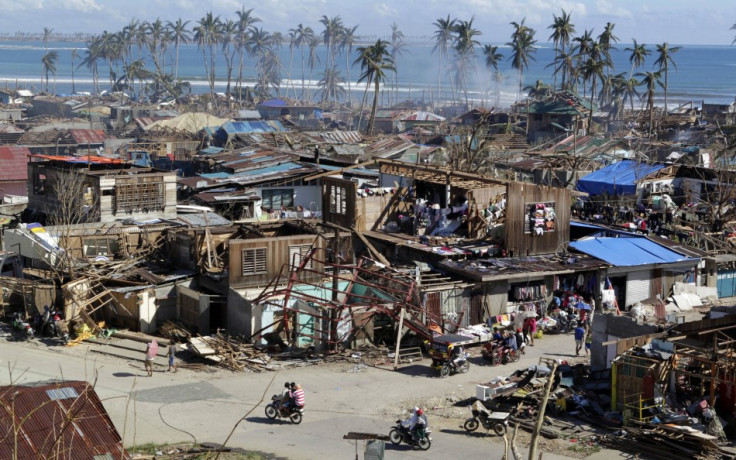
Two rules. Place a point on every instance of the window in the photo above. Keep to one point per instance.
(297, 252)
(101, 247)
(254, 261)
(39, 184)
(139, 194)
(338, 199)
(274, 199)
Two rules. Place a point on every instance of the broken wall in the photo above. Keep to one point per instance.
(608, 328)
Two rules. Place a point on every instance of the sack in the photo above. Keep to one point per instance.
(538, 334)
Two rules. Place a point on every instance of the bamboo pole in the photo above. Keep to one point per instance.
(540, 415)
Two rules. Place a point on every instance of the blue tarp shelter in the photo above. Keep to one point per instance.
(628, 252)
(616, 179)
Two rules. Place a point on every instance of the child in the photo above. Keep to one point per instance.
(588, 341)
(171, 354)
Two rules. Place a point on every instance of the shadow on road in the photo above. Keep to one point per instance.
(125, 374)
(266, 421)
(418, 370)
(479, 433)
(401, 447)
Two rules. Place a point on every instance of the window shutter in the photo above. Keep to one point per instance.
(254, 261)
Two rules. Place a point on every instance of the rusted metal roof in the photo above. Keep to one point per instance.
(14, 162)
(90, 159)
(60, 420)
(88, 136)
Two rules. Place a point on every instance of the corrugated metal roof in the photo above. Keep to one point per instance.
(424, 116)
(88, 136)
(198, 220)
(64, 417)
(14, 162)
(628, 252)
(342, 137)
(247, 127)
(82, 159)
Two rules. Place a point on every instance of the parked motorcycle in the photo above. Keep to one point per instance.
(22, 326)
(496, 421)
(400, 433)
(276, 410)
(451, 366)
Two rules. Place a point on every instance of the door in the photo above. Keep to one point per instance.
(726, 283)
(638, 285)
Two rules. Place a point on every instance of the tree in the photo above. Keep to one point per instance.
(91, 56)
(259, 44)
(443, 38)
(522, 49)
(229, 49)
(464, 48)
(375, 61)
(593, 70)
(180, 34)
(46, 36)
(330, 34)
(493, 57)
(75, 55)
(397, 49)
(347, 41)
(49, 66)
(638, 55)
(664, 59)
(606, 40)
(562, 32)
(650, 80)
(208, 34)
(302, 37)
(330, 87)
(313, 44)
(246, 21)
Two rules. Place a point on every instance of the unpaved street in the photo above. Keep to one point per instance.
(204, 406)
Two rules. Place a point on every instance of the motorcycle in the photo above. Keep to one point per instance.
(496, 421)
(499, 354)
(400, 433)
(276, 410)
(452, 366)
(21, 325)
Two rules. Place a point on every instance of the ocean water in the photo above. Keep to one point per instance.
(702, 73)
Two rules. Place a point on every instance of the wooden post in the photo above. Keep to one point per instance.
(398, 338)
(540, 414)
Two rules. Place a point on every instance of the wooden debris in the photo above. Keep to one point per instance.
(230, 353)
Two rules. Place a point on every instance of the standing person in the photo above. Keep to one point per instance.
(171, 354)
(532, 330)
(579, 336)
(588, 341)
(150, 355)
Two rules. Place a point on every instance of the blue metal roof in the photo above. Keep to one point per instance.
(268, 170)
(211, 150)
(217, 175)
(616, 179)
(628, 251)
(249, 127)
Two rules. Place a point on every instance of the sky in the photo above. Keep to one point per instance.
(695, 22)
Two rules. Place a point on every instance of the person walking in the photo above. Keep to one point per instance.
(171, 354)
(150, 355)
(588, 341)
(579, 336)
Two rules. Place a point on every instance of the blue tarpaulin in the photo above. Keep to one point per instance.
(616, 179)
(628, 252)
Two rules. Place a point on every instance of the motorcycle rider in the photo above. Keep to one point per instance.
(293, 395)
(417, 421)
(510, 341)
(458, 355)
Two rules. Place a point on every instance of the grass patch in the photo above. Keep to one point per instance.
(180, 451)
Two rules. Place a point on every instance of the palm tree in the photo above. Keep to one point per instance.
(313, 44)
(302, 36)
(623, 89)
(522, 49)
(375, 61)
(464, 48)
(606, 40)
(443, 38)
(562, 31)
(74, 56)
(564, 64)
(330, 86)
(347, 41)
(91, 56)
(229, 49)
(638, 55)
(593, 70)
(333, 26)
(493, 57)
(664, 59)
(650, 80)
(46, 36)
(246, 20)
(540, 90)
(49, 66)
(397, 49)
(180, 34)
(208, 34)
(259, 44)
